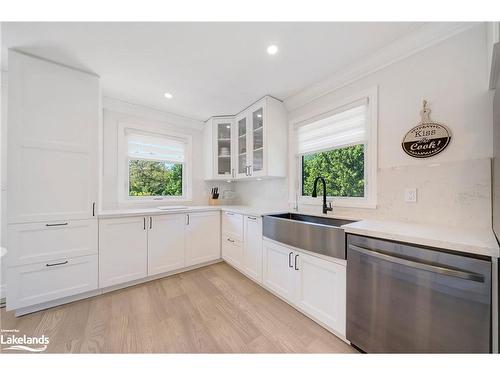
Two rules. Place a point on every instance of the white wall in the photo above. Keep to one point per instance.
(116, 111)
(452, 76)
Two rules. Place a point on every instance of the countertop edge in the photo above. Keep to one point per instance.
(156, 211)
(462, 247)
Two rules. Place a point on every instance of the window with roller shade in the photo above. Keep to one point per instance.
(156, 165)
(334, 146)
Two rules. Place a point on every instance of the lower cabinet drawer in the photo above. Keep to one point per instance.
(39, 242)
(232, 251)
(232, 224)
(43, 282)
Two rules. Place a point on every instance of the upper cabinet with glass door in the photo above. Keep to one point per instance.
(259, 143)
(219, 149)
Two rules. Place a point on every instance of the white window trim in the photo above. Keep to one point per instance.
(123, 165)
(371, 157)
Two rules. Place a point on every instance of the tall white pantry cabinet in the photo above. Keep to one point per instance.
(52, 181)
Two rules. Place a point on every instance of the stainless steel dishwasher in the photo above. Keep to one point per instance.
(411, 299)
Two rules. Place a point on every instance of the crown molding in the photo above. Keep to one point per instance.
(424, 37)
(122, 106)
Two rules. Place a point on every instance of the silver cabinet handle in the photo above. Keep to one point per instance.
(56, 264)
(229, 214)
(151, 222)
(56, 224)
(144, 223)
(230, 240)
(290, 259)
(252, 218)
(187, 219)
(232, 173)
(295, 265)
(249, 170)
(436, 268)
(93, 209)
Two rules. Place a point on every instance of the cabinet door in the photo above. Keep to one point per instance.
(278, 273)
(321, 291)
(47, 281)
(48, 241)
(166, 243)
(224, 148)
(232, 251)
(256, 131)
(52, 155)
(242, 145)
(232, 225)
(202, 237)
(122, 250)
(252, 253)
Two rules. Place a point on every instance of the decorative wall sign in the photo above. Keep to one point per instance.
(427, 138)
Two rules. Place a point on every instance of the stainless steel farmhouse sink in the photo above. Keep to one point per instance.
(321, 235)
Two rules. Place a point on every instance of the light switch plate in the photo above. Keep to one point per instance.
(411, 195)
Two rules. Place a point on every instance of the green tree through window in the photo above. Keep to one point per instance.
(154, 178)
(342, 169)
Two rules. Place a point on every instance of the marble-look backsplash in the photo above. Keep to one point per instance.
(453, 193)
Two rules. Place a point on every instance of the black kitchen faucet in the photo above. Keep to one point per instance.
(314, 194)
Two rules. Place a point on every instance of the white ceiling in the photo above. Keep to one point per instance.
(210, 68)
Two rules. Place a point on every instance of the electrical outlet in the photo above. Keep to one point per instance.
(411, 195)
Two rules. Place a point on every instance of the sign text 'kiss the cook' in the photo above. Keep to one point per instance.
(426, 139)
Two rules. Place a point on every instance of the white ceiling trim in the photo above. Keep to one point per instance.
(428, 35)
(118, 105)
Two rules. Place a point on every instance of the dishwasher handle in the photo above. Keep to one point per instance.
(420, 265)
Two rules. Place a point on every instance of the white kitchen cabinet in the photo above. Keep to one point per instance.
(252, 252)
(278, 273)
(132, 248)
(47, 241)
(232, 225)
(166, 243)
(203, 237)
(258, 143)
(53, 115)
(43, 282)
(219, 141)
(321, 290)
(314, 285)
(232, 251)
(266, 140)
(123, 250)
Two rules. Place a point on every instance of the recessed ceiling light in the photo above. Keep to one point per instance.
(168, 95)
(272, 49)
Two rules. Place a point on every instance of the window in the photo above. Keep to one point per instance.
(339, 146)
(155, 165)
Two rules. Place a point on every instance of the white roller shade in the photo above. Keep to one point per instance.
(341, 129)
(155, 147)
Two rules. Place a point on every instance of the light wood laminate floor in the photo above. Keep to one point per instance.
(214, 309)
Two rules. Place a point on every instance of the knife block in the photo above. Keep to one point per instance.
(213, 202)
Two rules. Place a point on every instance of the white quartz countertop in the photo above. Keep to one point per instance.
(245, 210)
(153, 211)
(253, 211)
(466, 240)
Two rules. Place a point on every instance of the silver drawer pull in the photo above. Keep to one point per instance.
(56, 264)
(230, 240)
(56, 224)
(229, 213)
(252, 218)
(436, 268)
